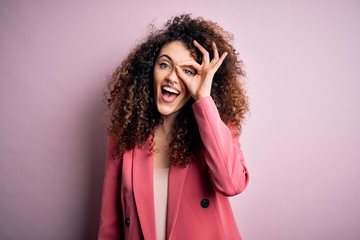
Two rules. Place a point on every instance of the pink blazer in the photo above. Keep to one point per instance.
(198, 204)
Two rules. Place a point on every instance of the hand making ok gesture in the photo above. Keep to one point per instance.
(199, 85)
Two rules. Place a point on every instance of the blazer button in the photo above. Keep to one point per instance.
(205, 203)
(127, 222)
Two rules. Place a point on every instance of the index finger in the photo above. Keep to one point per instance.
(190, 63)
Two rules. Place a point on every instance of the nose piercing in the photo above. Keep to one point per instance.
(170, 83)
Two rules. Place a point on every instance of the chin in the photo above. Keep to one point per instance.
(164, 111)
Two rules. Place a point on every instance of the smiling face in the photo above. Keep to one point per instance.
(170, 92)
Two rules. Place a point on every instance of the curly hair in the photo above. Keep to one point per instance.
(130, 99)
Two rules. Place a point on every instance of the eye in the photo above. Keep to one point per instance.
(164, 65)
(189, 72)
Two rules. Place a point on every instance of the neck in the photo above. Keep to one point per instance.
(163, 133)
(162, 139)
(167, 125)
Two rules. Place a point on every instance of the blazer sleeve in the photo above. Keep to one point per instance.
(110, 227)
(223, 154)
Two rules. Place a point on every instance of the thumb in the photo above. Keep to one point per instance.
(186, 79)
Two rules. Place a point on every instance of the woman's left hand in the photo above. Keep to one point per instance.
(199, 85)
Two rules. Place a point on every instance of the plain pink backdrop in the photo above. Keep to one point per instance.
(301, 141)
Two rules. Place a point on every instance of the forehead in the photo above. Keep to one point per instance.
(177, 51)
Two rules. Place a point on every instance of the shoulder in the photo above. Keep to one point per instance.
(111, 153)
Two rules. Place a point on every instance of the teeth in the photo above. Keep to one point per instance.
(171, 90)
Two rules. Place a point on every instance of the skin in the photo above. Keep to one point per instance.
(166, 78)
(177, 69)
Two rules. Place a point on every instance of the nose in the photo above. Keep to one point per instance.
(172, 76)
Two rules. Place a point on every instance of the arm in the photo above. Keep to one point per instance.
(110, 227)
(222, 150)
(223, 153)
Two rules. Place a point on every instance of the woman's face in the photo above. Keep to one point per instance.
(171, 93)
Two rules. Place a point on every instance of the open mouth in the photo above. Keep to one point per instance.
(169, 94)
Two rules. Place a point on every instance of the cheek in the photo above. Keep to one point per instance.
(185, 89)
(186, 97)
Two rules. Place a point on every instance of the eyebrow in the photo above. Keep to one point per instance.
(165, 55)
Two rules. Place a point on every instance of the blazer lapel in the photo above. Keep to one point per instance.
(177, 177)
(143, 168)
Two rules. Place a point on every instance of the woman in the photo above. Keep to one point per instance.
(176, 106)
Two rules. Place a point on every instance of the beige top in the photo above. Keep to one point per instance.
(161, 176)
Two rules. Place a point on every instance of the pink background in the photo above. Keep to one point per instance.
(301, 141)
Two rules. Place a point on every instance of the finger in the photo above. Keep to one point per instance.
(215, 51)
(190, 63)
(185, 78)
(220, 61)
(204, 52)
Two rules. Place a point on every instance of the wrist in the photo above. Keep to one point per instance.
(198, 98)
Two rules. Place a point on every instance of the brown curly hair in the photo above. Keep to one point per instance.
(130, 97)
